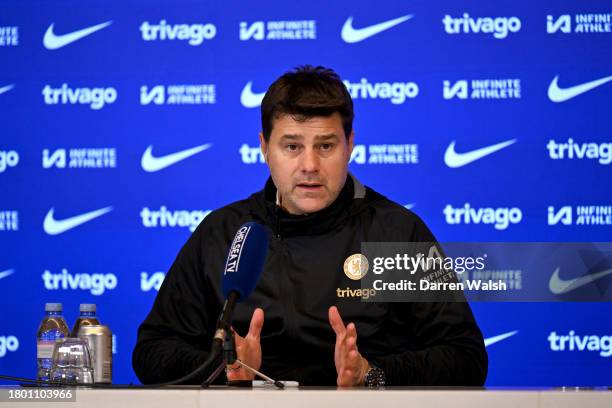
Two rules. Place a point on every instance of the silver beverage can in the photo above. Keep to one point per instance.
(100, 342)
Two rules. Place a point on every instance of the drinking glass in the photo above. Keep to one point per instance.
(71, 362)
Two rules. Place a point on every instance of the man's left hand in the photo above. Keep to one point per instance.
(248, 349)
(350, 364)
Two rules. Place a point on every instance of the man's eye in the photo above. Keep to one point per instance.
(292, 147)
(326, 146)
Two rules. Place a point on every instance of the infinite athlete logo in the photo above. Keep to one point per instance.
(278, 30)
(180, 94)
(385, 154)
(583, 23)
(152, 281)
(583, 215)
(80, 158)
(479, 89)
(9, 36)
(9, 220)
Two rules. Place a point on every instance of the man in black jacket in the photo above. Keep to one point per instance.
(318, 215)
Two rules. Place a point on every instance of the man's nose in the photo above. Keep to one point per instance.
(310, 161)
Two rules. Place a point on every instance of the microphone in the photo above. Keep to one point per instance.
(243, 266)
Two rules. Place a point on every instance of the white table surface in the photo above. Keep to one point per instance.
(328, 397)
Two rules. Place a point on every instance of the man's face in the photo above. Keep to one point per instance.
(308, 161)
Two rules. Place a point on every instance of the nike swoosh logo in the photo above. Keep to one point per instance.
(495, 339)
(6, 88)
(557, 94)
(51, 41)
(454, 159)
(151, 164)
(560, 286)
(6, 273)
(248, 98)
(354, 35)
(55, 227)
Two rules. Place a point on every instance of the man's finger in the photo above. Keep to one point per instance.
(236, 335)
(238, 341)
(351, 330)
(351, 342)
(347, 352)
(257, 321)
(345, 379)
(336, 321)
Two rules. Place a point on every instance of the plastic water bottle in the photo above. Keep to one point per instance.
(87, 317)
(52, 327)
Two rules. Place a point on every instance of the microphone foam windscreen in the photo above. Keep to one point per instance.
(245, 260)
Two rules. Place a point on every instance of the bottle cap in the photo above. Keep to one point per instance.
(87, 307)
(53, 307)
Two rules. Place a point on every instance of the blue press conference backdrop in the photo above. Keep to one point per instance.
(491, 120)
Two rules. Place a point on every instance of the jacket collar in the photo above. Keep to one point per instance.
(264, 206)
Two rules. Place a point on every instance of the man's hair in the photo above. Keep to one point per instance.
(304, 93)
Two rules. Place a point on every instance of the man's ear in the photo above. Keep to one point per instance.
(263, 145)
(351, 143)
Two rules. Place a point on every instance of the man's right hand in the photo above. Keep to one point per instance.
(248, 349)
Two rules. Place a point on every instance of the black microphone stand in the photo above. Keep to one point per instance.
(225, 335)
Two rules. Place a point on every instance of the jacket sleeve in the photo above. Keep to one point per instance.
(451, 348)
(175, 337)
(449, 344)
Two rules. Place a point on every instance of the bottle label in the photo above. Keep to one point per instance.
(44, 349)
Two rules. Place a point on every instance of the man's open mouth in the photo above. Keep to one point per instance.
(310, 186)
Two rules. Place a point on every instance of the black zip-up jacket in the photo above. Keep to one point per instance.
(414, 343)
